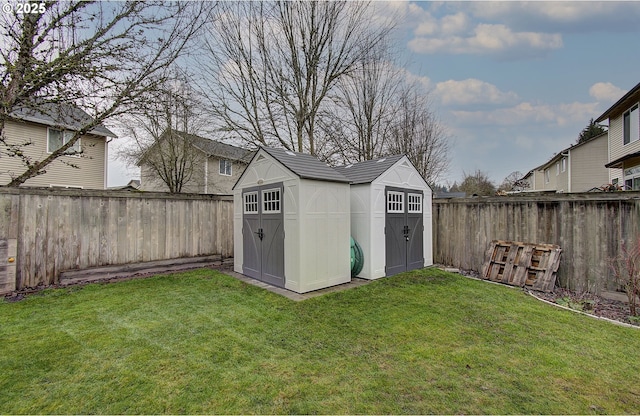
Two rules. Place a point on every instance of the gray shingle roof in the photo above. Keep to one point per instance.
(60, 115)
(369, 170)
(222, 150)
(305, 166)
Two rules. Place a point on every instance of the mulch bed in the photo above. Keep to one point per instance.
(589, 303)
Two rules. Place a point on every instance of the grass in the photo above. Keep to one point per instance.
(201, 342)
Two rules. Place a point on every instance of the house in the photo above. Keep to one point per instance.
(216, 166)
(578, 168)
(45, 130)
(624, 140)
(283, 193)
(390, 215)
(133, 185)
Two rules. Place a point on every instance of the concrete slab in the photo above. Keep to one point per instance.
(355, 282)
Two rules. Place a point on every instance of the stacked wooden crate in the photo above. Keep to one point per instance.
(522, 264)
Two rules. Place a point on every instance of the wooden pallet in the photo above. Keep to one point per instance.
(522, 264)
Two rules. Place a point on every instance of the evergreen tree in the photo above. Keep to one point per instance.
(592, 130)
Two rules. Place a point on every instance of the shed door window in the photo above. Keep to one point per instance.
(251, 203)
(395, 201)
(271, 201)
(414, 202)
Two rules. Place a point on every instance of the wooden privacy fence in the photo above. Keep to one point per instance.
(44, 231)
(589, 228)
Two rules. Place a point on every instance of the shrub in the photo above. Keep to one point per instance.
(626, 270)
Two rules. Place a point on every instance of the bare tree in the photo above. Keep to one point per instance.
(164, 132)
(417, 133)
(366, 105)
(101, 57)
(275, 64)
(513, 182)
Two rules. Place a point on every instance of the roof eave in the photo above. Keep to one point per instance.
(614, 108)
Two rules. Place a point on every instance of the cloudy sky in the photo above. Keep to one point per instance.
(513, 82)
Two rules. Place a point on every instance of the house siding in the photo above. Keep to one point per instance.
(215, 183)
(618, 148)
(562, 178)
(223, 184)
(587, 165)
(91, 170)
(553, 179)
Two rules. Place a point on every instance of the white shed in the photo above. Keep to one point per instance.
(390, 215)
(291, 222)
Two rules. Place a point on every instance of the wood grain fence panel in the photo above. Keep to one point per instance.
(52, 231)
(589, 228)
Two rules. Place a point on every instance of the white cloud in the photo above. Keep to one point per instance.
(565, 16)
(530, 114)
(454, 23)
(472, 91)
(606, 91)
(488, 38)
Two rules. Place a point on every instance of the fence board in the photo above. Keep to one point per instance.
(589, 228)
(59, 230)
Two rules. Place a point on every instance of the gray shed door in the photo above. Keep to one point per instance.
(263, 233)
(404, 230)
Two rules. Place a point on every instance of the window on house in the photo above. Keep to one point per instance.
(225, 167)
(563, 164)
(58, 138)
(395, 201)
(557, 169)
(546, 176)
(631, 125)
(632, 179)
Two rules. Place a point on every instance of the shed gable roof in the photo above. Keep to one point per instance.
(369, 170)
(305, 166)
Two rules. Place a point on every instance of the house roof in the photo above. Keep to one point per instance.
(558, 155)
(369, 170)
(618, 162)
(215, 148)
(60, 115)
(622, 104)
(305, 166)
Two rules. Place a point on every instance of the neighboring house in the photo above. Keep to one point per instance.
(133, 185)
(217, 167)
(578, 168)
(534, 179)
(624, 140)
(46, 130)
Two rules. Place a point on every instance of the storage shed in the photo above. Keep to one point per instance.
(291, 222)
(390, 215)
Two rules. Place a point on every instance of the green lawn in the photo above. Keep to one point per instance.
(201, 342)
